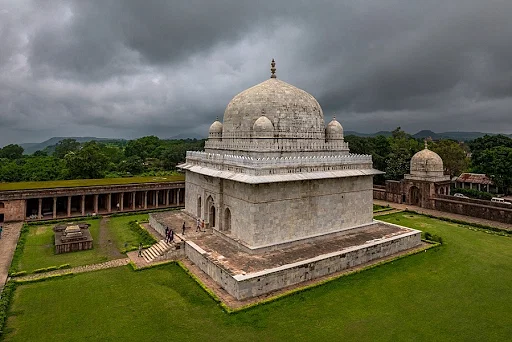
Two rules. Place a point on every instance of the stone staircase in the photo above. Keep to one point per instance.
(157, 250)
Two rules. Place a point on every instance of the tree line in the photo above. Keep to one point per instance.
(150, 155)
(69, 159)
(491, 155)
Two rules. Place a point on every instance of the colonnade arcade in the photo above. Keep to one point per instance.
(102, 203)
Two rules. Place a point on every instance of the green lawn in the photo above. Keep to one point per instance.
(124, 237)
(458, 292)
(88, 182)
(39, 250)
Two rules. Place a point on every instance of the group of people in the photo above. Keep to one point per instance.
(169, 233)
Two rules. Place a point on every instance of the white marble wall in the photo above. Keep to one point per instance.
(273, 213)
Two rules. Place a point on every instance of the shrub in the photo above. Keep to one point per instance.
(5, 303)
(18, 274)
(63, 266)
(46, 269)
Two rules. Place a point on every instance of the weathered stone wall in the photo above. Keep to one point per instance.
(251, 285)
(264, 214)
(201, 259)
(495, 212)
(13, 210)
(294, 210)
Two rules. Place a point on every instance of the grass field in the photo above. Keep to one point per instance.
(460, 291)
(88, 182)
(39, 250)
(124, 237)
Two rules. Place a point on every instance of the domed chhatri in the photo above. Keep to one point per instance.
(427, 163)
(263, 125)
(334, 130)
(295, 116)
(215, 131)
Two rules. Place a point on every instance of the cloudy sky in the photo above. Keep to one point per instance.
(130, 68)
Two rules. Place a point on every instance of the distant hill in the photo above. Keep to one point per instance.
(30, 148)
(459, 136)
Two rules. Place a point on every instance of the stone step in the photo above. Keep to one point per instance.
(152, 252)
(161, 246)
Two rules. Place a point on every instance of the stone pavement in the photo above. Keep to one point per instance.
(79, 269)
(443, 214)
(10, 236)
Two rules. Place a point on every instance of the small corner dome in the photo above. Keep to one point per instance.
(263, 124)
(426, 161)
(334, 127)
(216, 127)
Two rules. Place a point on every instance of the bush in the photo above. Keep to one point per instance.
(474, 193)
(63, 266)
(5, 303)
(432, 237)
(46, 269)
(18, 274)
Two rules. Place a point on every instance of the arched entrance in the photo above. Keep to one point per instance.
(212, 216)
(414, 196)
(210, 206)
(227, 220)
(199, 207)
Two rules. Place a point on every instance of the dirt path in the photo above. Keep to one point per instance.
(79, 269)
(10, 236)
(443, 214)
(106, 243)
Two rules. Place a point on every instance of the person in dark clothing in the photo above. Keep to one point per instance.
(183, 228)
(171, 236)
(140, 249)
(166, 231)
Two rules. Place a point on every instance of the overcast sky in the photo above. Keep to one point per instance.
(131, 68)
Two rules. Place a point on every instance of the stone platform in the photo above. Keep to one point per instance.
(245, 275)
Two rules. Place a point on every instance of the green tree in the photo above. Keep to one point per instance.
(88, 162)
(65, 146)
(496, 162)
(402, 147)
(142, 147)
(454, 157)
(133, 165)
(40, 153)
(12, 152)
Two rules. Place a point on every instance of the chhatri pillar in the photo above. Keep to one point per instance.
(55, 207)
(69, 206)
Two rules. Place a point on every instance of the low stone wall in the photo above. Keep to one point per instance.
(209, 266)
(156, 225)
(469, 207)
(259, 283)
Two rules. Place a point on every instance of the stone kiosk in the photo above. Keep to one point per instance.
(72, 238)
(273, 177)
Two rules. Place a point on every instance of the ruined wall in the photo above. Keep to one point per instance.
(13, 210)
(474, 208)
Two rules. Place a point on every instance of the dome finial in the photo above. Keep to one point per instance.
(334, 117)
(426, 145)
(273, 69)
(217, 118)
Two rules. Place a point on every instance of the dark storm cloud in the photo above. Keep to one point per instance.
(132, 68)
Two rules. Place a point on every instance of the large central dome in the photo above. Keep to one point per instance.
(275, 119)
(293, 112)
